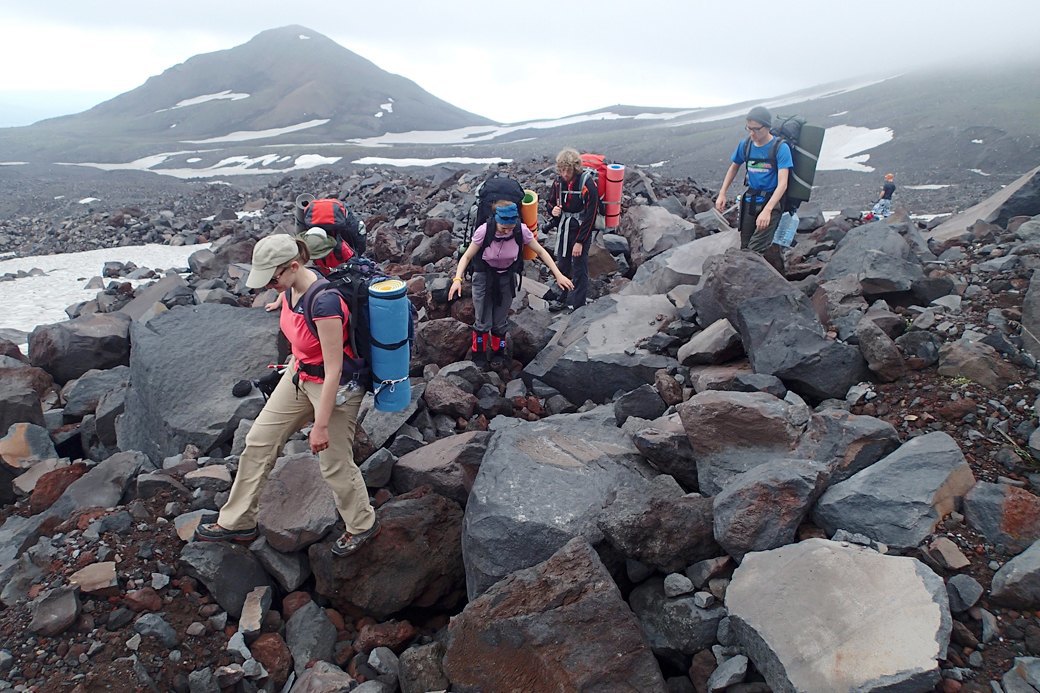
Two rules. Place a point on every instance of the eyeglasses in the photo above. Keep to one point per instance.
(751, 129)
(276, 277)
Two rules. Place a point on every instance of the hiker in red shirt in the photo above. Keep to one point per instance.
(317, 384)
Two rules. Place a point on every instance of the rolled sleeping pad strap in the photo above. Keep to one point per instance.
(529, 215)
(389, 315)
(612, 195)
(806, 155)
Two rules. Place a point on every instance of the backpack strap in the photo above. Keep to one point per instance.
(747, 155)
(308, 316)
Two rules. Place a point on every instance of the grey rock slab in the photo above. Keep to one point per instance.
(594, 354)
(228, 572)
(667, 448)
(730, 672)
(732, 432)
(448, 466)
(791, 612)
(717, 343)
(964, 591)
(289, 570)
(540, 484)
(846, 443)
(1017, 583)
(54, 611)
(310, 635)
(297, 507)
(681, 265)
(762, 508)
(155, 626)
(900, 499)
(172, 401)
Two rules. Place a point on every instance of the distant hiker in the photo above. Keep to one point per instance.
(573, 203)
(496, 273)
(315, 386)
(883, 207)
(767, 171)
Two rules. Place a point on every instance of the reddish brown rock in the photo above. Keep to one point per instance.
(393, 634)
(292, 603)
(416, 560)
(51, 485)
(270, 650)
(558, 626)
(145, 599)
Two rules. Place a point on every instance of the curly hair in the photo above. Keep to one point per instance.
(569, 158)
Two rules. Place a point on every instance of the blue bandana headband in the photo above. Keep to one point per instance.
(507, 214)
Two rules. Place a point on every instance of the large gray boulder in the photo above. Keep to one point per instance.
(228, 572)
(846, 443)
(732, 432)
(900, 499)
(594, 355)
(297, 507)
(681, 265)
(183, 366)
(651, 230)
(792, 612)
(84, 393)
(1004, 514)
(557, 626)
(878, 256)
(69, 349)
(783, 337)
(762, 508)
(732, 278)
(541, 484)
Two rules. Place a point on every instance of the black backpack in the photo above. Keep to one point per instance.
(351, 280)
(339, 222)
(497, 186)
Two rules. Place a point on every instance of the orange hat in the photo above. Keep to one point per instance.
(889, 176)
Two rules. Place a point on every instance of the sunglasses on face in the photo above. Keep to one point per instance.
(276, 277)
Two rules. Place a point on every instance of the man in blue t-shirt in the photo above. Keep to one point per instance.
(769, 164)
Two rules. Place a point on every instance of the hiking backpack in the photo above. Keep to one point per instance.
(352, 279)
(339, 222)
(497, 186)
(805, 142)
(594, 167)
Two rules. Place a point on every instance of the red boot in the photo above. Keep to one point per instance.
(478, 349)
(497, 351)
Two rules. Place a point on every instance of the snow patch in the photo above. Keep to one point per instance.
(193, 160)
(379, 161)
(657, 164)
(388, 106)
(88, 200)
(839, 113)
(976, 142)
(32, 301)
(13, 163)
(173, 126)
(930, 186)
(304, 37)
(842, 146)
(979, 171)
(377, 115)
(246, 135)
(227, 95)
(230, 166)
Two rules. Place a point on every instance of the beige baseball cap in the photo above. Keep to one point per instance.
(268, 254)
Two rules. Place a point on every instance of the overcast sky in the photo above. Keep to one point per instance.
(544, 59)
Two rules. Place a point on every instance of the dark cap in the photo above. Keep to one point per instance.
(760, 114)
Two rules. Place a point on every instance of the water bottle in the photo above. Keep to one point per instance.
(786, 229)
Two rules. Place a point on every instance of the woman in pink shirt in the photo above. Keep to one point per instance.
(497, 263)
